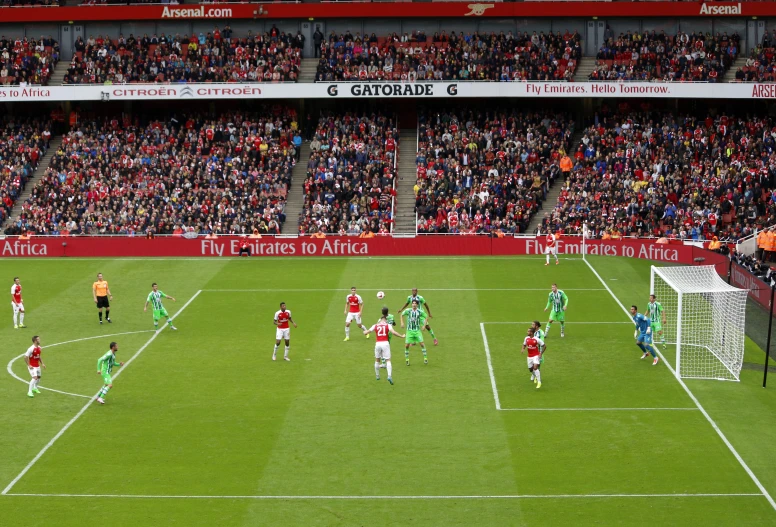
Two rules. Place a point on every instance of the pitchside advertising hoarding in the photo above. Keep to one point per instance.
(759, 291)
(335, 246)
(387, 90)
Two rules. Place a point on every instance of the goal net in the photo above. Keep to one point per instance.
(704, 321)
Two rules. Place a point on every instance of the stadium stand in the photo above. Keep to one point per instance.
(657, 174)
(224, 174)
(760, 65)
(26, 61)
(349, 187)
(487, 172)
(695, 57)
(213, 57)
(477, 56)
(23, 142)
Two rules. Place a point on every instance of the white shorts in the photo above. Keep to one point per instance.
(34, 372)
(352, 317)
(383, 350)
(17, 308)
(534, 360)
(551, 250)
(283, 334)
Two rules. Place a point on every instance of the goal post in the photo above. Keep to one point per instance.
(704, 321)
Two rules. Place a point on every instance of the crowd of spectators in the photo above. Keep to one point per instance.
(653, 56)
(217, 56)
(466, 57)
(222, 174)
(25, 61)
(487, 172)
(23, 143)
(760, 66)
(649, 173)
(30, 3)
(349, 188)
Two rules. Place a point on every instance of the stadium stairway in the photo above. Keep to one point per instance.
(58, 75)
(584, 69)
(730, 75)
(295, 197)
(404, 215)
(307, 70)
(554, 191)
(54, 145)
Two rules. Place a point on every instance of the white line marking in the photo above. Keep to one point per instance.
(91, 400)
(693, 409)
(384, 497)
(573, 323)
(9, 368)
(490, 367)
(695, 400)
(380, 289)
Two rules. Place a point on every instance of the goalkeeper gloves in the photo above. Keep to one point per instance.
(636, 334)
(649, 330)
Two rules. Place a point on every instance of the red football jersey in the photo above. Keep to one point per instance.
(533, 345)
(550, 240)
(354, 303)
(381, 330)
(33, 354)
(282, 318)
(16, 291)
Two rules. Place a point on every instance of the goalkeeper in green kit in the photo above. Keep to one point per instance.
(155, 299)
(105, 366)
(558, 301)
(416, 319)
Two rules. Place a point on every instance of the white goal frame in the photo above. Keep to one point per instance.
(705, 321)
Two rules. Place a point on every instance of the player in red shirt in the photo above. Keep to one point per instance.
(34, 364)
(17, 304)
(534, 346)
(551, 247)
(353, 305)
(383, 345)
(283, 332)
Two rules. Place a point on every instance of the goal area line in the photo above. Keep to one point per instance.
(385, 497)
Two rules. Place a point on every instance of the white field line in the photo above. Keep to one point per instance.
(692, 409)
(695, 400)
(378, 289)
(9, 368)
(490, 367)
(91, 400)
(384, 497)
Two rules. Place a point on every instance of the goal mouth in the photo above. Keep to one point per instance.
(703, 317)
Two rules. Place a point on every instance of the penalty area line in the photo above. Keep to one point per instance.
(694, 400)
(687, 408)
(90, 401)
(490, 367)
(391, 290)
(384, 497)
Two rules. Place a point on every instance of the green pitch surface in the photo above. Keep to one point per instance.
(203, 428)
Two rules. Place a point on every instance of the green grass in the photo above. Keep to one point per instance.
(203, 422)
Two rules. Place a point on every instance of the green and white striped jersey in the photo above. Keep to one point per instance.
(155, 298)
(106, 362)
(557, 300)
(416, 319)
(655, 311)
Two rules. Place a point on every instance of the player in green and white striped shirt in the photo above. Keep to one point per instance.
(155, 299)
(105, 366)
(559, 302)
(423, 307)
(657, 316)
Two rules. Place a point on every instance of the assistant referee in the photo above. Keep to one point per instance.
(101, 293)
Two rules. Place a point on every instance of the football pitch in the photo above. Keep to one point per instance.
(203, 428)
